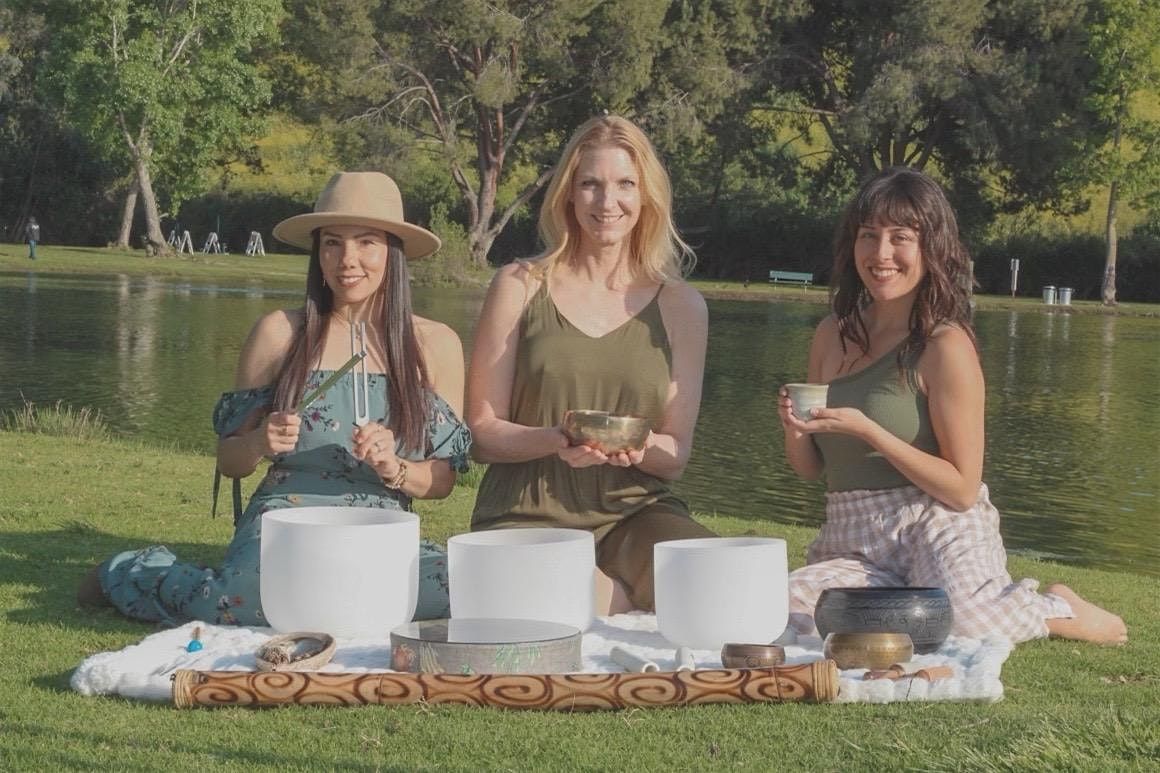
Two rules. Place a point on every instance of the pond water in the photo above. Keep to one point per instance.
(1073, 401)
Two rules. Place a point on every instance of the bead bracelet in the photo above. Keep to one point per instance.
(400, 477)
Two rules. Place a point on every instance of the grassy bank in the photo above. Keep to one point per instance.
(756, 291)
(238, 270)
(242, 270)
(71, 501)
(287, 271)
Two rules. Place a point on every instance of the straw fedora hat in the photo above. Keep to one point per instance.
(359, 198)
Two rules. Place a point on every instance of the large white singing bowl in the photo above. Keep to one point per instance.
(352, 572)
(721, 589)
(526, 574)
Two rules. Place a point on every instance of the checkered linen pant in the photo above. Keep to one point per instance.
(902, 536)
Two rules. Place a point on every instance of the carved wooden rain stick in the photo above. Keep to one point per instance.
(817, 682)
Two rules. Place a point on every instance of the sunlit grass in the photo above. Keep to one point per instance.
(1067, 706)
(58, 419)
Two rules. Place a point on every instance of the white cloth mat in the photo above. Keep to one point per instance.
(142, 671)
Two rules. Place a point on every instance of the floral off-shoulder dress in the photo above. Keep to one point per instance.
(151, 584)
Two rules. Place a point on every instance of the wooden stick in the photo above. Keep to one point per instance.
(931, 673)
(894, 672)
(816, 681)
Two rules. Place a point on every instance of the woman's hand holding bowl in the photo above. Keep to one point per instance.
(845, 421)
(578, 456)
(785, 411)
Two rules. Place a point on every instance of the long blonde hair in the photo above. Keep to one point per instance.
(655, 248)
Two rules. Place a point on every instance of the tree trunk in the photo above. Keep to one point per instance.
(152, 218)
(1109, 266)
(491, 160)
(127, 210)
(1108, 291)
(479, 241)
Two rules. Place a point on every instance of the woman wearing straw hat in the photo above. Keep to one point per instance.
(601, 320)
(411, 444)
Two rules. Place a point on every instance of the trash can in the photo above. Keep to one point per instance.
(1064, 297)
(1049, 294)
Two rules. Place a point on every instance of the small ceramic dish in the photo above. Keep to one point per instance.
(868, 650)
(605, 431)
(738, 655)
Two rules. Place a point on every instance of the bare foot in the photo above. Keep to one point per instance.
(1091, 623)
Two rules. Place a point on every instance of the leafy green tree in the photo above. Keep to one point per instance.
(162, 86)
(39, 151)
(990, 93)
(484, 84)
(1125, 44)
(697, 105)
(492, 89)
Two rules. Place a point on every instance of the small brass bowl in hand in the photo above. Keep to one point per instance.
(868, 650)
(606, 432)
(736, 655)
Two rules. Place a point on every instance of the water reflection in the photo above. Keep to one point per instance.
(1073, 415)
(1107, 342)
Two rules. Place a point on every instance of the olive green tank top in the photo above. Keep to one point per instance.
(882, 393)
(559, 367)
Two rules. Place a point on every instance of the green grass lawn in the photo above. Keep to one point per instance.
(68, 502)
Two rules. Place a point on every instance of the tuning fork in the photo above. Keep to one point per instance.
(358, 348)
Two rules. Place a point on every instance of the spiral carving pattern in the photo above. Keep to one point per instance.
(817, 681)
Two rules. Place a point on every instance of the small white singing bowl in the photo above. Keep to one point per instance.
(806, 397)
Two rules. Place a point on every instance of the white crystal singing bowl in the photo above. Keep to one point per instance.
(715, 590)
(352, 572)
(527, 574)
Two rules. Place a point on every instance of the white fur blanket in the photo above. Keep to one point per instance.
(142, 670)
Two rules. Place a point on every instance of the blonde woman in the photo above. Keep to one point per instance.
(601, 320)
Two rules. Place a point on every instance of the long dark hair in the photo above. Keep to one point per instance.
(407, 380)
(905, 197)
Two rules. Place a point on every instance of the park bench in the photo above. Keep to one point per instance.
(799, 277)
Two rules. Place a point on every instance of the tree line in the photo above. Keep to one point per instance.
(122, 117)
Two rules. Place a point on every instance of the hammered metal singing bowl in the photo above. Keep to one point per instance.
(606, 432)
(924, 613)
(868, 650)
(738, 655)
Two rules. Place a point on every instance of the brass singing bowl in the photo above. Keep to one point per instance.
(737, 655)
(606, 432)
(868, 650)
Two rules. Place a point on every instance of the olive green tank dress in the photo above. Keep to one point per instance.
(625, 371)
